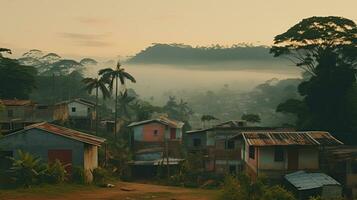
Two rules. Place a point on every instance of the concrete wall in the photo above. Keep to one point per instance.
(38, 142)
(90, 160)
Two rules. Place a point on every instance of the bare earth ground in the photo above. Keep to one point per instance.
(139, 192)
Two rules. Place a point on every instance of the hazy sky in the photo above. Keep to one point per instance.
(109, 28)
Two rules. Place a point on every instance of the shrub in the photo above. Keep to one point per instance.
(26, 169)
(232, 190)
(100, 176)
(78, 175)
(277, 193)
(55, 172)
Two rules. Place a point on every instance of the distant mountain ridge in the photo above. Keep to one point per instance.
(184, 54)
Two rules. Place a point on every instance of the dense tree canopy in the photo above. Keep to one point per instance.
(16, 81)
(326, 48)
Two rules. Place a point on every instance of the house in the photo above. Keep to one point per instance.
(342, 165)
(79, 113)
(220, 145)
(16, 114)
(156, 141)
(275, 154)
(305, 185)
(51, 142)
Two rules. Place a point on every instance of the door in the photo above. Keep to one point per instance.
(293, 159)
(172, 133)
(63, 155)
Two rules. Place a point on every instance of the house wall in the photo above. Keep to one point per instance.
(23, 113)
(90, 160)
(81, 110)
(38, 142)
(191, 137)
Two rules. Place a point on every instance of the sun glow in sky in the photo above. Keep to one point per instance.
(108, 28)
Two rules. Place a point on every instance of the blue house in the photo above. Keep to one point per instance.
(51, 142)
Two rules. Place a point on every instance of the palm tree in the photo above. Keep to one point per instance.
(113, 75)
(208, 118)
(124, 103)
(97, 84)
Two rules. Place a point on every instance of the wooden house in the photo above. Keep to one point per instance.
(78, 113)
(275, 154)
(51, 142)
(220, 145)
(156, 140)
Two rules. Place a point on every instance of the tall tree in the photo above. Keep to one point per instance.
(16, 81)
(116, 75)
(124, 104)
(253, 118)
(326, 48)
(97, 84)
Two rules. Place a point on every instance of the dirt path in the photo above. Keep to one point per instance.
(139, 192)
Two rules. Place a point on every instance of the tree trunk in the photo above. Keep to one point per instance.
(96, 111)
(116, 107)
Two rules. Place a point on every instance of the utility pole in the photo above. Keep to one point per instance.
(167, 153)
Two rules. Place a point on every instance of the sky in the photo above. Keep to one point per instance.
(111, 28)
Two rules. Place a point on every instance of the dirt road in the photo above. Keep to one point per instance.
(121, 191)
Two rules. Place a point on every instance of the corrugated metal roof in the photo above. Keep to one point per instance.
(78, 100)
(306, 181)
(65, 132)
(161, 120)
(15, 102)
(290, 138)
(162, 161)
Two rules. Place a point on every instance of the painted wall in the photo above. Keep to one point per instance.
(38, 142)
(146, 132)
(81, 110)
(90, 160)
(189, 139)
(308, 158)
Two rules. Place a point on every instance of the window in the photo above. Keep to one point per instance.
(230, 144)
(251, 152)
(73, 109)
(278, 154)
(156, 132)
(172, 133)
(10, 113)
(197, 142)
(354, 167)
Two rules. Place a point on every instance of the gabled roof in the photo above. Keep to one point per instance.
(162, 120)
(289, 138)
(65, 132)
(306, 181)
(78, 100)
(15, 102)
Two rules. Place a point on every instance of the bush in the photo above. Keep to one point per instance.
(243, 188)
(100, 176)
(78, 175)
(26, 169)
(55, 173)
(277, 193)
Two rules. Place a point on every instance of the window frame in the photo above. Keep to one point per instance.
(73, 109)
(279, 154)
(251, 152)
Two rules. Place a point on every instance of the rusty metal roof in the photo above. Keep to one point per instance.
(15, 102)
(290, 138)
(161, 120)
(65, 132)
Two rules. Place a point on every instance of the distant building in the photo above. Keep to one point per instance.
(305, 185)
(342, 165)
(51, 142)
(154, 142)
(220, 145)
(16, 114)
(79, 113)
(275, 154)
